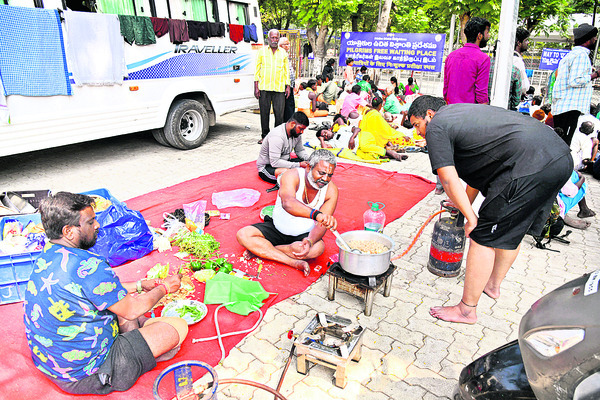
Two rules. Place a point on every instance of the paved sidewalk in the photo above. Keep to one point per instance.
(407, 354)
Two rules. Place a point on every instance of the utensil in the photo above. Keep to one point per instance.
(348, 248)
(172, 310)
(366, 264)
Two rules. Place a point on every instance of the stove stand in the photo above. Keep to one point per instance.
(335, 357)
(361, 286)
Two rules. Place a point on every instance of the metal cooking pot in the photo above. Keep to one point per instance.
(365, 264)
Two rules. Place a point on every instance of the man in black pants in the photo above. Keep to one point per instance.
(572, 92)
(274, 157)
(518, 164)
(271, 81)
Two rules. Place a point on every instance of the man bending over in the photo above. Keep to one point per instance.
(518, 164)
(81, 323)
(275, 152)
(303, 213)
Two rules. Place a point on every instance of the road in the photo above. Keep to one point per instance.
(407, 354)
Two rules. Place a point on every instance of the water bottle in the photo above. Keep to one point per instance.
(374, 218)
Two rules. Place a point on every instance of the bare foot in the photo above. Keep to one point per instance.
(586, 213)
(576, 223)
(248, 255)
(398, 156)
(493, 293)
(457, 313)
(302, 266)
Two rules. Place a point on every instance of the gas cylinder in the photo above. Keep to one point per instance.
(447, 244)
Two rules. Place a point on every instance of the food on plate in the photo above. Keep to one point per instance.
(192, 311)
(368, 246)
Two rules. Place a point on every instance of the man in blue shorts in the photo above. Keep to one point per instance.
(518, 164)
(81, 322)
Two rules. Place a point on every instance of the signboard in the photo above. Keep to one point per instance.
(411, 51)
(551, 58)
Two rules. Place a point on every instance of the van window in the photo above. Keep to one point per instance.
(200, 10)
(238, 13)
(122, 7)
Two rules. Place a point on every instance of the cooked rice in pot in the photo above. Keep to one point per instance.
(368, 246)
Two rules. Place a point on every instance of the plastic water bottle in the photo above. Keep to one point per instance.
(374, 218)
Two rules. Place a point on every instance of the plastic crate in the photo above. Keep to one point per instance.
(34, 197)
(15, 269)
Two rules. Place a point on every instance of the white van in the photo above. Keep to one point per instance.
(175, 90)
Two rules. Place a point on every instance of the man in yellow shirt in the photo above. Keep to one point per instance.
(271, 81)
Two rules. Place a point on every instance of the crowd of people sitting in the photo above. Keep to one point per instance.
(584, 151)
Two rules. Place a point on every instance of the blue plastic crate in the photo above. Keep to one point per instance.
(15, 269)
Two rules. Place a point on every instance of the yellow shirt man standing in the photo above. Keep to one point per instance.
(271, 81)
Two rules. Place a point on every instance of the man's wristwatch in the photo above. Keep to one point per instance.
(138, 286)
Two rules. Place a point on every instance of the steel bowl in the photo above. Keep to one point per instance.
(365, 264)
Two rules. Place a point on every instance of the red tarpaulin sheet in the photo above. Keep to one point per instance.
(19, 379)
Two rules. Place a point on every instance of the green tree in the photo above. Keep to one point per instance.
(277, 14)
(320, 18)
(535, 14)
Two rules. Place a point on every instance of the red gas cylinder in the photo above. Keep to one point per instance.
(447, 244)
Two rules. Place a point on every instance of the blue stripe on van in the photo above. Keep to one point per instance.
(146, 61)
(189, 65)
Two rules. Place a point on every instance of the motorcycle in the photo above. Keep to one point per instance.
(556, 355)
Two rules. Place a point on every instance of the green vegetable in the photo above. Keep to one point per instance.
(204, 275)
(196, 265)
(201, 245)
(192, 311)
(220, 264)
(158, 271)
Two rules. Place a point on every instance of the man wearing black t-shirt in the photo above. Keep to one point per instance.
(518, 164)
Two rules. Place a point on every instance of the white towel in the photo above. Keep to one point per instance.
(95, 48)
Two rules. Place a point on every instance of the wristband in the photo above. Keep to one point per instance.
(315, 214)
(138, 286)
(165, 286)
(309, 241)
(312, 211)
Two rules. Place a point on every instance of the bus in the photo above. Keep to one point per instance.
(174, 89)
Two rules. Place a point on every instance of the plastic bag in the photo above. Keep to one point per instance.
(124, 234)
(245, 296)
(195, 211)
(235, 198)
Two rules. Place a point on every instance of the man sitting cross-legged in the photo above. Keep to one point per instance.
(81, 322)
(303, 212)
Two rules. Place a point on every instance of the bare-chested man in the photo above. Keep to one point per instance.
(303, 212)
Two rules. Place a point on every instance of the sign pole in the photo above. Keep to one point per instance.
(504, 53)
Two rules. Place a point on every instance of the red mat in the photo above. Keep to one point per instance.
(19, 379)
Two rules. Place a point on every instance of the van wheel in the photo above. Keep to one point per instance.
(187, 124)
(159, 136)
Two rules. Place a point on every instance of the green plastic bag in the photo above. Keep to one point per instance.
(246, 296)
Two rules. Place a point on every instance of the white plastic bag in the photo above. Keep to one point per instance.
(235, 198)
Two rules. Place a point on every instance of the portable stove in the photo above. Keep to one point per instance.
(330, 341)
(362, 286)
